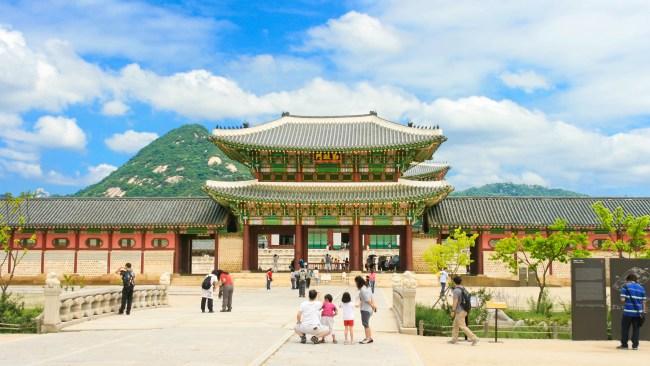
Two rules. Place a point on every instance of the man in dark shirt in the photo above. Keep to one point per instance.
(128, 283)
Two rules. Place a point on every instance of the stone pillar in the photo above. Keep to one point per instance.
(245, 264)
(408, 248)
(297, 246)
(51, 304)
(355, 247)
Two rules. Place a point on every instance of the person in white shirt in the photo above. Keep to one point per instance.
(308, 320)
(207, 294)
(443, 281)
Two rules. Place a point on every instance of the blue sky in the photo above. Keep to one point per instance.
(555, 94)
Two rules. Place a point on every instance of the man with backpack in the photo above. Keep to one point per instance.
(207, 291)
(128, 283)
(459, 311)
(302, 282)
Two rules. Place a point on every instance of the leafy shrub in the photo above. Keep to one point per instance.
(15, 317)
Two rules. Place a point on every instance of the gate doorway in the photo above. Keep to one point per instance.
(197, 254)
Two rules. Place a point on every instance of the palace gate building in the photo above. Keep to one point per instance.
(355, 188)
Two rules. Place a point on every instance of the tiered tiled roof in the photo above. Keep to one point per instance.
(325, 192)
(534, 212)
(426, 171)
(333, 133)
(118, 212)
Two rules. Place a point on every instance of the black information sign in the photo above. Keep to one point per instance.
(588, 299)
(619, 268)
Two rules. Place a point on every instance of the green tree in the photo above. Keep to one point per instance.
(538, 252)
(11, 211)
(453, 254)
(627, 232)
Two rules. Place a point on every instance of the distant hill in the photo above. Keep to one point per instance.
(518, 190)
(176, 164)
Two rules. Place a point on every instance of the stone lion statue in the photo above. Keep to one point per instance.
(408, 280)
(52, 280)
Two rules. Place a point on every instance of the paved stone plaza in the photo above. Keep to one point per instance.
(258, 332)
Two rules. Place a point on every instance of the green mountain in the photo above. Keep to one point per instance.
(176, 164)
(511, 189)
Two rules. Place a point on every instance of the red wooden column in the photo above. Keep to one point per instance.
(177, 252)
(355, 247)
(408, 247)
(76, 249)
(44, 246)
(297, 246)
(330, 238)
(11, 246)
(143, 241)
(479, 259)
(110, 248)
(216, 248)
(246, 264)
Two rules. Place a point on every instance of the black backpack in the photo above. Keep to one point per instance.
(128, 278)
(207, 283)
(465, 300)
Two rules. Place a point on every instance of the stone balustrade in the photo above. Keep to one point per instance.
(404, 289)
(63, 308)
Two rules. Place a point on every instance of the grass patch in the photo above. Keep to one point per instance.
(437, 322)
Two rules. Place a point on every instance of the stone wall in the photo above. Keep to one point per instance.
(230, 252)
(158, 261)
(59, 261)
(121, 257)
(92, 262)
(30, 264)
(493, 268)
(420, 244)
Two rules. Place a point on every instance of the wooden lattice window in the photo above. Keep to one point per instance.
(94, 242)
(27, 243)
(60, 242)
(159, 243)
(126, 243)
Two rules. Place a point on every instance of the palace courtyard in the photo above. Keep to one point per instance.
(258, 332)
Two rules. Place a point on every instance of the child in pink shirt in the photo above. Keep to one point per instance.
(327, 315)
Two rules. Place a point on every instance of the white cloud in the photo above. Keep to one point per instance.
(597, 51)
(93, 175)
(529, 81)
(115, 108)
(50, 79)
(356, 33)
(123, 29)
(24, 169)
(130, 141)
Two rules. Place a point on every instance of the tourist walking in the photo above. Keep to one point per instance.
(208, 286)
(302, 282)
(128, 284)
(269, 279)
(634, 310)
(443, 281)
(372, 279)
(226, 289)
(347, 310)
(275, 262)
(460, 309)
(308, 320)
(327, 315)
(367, 307)
(328, 262)
(301, 263)
(294, 283)
(310, 275)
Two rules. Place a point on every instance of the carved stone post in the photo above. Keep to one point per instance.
(52, 303)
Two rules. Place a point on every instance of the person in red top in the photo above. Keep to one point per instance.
(226, 288)
(269, 278)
